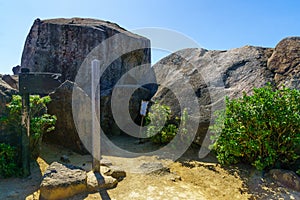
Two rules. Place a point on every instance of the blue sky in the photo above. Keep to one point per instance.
(213, 24)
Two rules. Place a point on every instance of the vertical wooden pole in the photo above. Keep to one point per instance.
(95, 98)
(25, 131)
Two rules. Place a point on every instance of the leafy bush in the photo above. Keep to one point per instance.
(40, 121)
(8, 160)
(262, 129)
(163, 128)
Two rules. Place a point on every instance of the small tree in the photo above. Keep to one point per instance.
(262, 129)
(162, 128)
(40, 121)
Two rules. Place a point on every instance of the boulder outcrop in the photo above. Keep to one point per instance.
(61, 46)
(285, 62)
(216, 74)
(6, 93)
(11, 80)
(67, 46)
(65, 133)
(211, 75)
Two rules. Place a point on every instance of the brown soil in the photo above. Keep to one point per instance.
(187, 178)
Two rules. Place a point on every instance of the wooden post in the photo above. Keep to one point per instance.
(140, 133)
(95, 98)
(31, 83)
(25, 130)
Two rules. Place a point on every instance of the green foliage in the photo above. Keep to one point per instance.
(162, 128)
(8, 160)
(262, 129)
(40, 121)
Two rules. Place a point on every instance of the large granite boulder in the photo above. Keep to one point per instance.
(65, 133)
(285, 62)
(11, 80)
(216, 74)
(212, 75)
(6, 93)
(61, 45)
(68, 46)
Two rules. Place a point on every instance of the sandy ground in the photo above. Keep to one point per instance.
(188, 178)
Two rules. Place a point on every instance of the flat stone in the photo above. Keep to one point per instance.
(156, 168)
(62, 181)
(97, 181)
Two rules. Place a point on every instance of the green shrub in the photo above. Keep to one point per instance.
(262, 129)
(8, 160)
(40, 121)
(163, 128)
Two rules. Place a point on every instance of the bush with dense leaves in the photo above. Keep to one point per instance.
(40, 121)
(262, 129)
(163, 128)
(8, 160)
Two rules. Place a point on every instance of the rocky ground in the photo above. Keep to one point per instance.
(187, 178)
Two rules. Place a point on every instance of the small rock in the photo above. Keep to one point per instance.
(116, 173)
(65, 159)
(174, 177)
(105, 162)
(154, 168)
(140, 141)
(286, 178)
(16, 69)
(104, 169)
(96, 181)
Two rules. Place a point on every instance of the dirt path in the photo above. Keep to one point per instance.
(188, 178)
